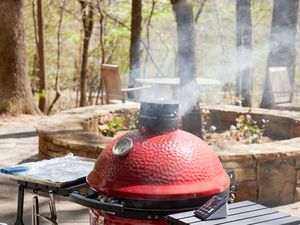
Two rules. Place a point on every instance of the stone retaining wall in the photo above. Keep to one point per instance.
(265, 173)
(76, 131)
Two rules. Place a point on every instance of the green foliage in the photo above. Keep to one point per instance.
(246, 130)
(126, 121)
(111, 127)
(42, 93)
(205, 117)
(216, 24)
(132, 121)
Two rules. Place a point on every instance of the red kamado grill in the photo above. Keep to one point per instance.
(144, 175)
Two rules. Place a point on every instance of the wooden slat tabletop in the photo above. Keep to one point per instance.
(240, 213)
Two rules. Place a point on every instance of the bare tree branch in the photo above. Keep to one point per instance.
(148, 35)
(167, 49)
(199, 11)
(116, 20)
(152, 60)
(73, 14)
(58, 94)
(221, 36)
(34, 22)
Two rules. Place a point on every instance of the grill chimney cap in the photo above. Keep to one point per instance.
(159, 114)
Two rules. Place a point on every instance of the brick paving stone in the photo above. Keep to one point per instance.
(19, 144)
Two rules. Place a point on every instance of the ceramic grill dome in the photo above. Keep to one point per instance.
(158, 162)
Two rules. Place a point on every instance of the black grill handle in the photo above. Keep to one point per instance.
(95, 204)
(232, 187)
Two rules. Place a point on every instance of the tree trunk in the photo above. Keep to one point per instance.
(186, 56)
(87, 10)
(135, 41)
(244, 51)
(186, 65)
(41, 54)
(15, 92)
(100, 5)
(282, 44)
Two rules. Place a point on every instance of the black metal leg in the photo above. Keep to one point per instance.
(19, 220)
(35, 210)
(52, 208)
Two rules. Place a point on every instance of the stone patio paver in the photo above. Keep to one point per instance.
(19, 144)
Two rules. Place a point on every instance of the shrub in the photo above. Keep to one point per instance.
(126, 121)
(246, 130)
